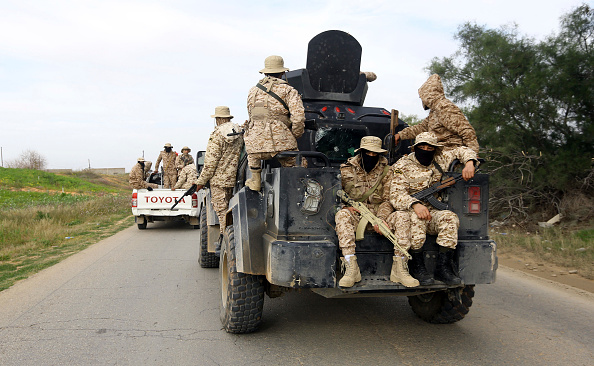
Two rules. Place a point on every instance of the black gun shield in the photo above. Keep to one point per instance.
(333, 62)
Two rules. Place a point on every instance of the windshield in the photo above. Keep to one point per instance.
(338, 143)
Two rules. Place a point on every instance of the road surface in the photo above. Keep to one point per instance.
(140, 298)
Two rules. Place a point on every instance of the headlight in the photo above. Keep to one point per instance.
(311, 200)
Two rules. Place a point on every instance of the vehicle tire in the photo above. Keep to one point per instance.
(437, 308)
(142, 226)
(242, 295)
(205, 259)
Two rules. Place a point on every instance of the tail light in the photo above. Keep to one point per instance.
(134, 199)
(194, 200)
(474, 199)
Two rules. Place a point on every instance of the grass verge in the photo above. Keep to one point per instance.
(572, 248)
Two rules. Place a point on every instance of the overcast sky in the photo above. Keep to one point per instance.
(104, 81)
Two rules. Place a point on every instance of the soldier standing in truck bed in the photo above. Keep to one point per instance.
(138, 175)
(277, 119)
(169, 170)
(366, 178)
(184, 159)
(220, 163)
(445, 120)
(413, 173)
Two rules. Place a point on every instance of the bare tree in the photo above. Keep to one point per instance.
(29, 159)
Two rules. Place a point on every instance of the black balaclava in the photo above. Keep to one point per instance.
(168, 149)
(424, 157)
(369, 162)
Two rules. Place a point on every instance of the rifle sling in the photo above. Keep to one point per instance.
(372, 189)
(274, 95)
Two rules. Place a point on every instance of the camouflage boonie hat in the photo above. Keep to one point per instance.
(273, 65)
(186, 148)
(371, 143)
(168, 145)
(428, 138)
(222, 111)
(140, 160)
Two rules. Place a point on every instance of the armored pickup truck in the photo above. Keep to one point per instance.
(283, 238)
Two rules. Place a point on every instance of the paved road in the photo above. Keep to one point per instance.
(140, 298)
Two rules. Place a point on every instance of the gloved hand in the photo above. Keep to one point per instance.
(149, 188)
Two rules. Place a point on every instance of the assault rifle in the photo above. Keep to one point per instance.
(368, 217)
(427, 193)
(189, 192)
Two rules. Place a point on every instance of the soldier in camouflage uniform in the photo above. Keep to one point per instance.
(445, 119)
(413, 173)
(184, 159)
(138, 174)
(220, 163)
(274, 126)
(170, 171)
(187, 177)
(366, 178)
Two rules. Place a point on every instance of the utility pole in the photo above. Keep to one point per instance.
(1, 157)
(89, 164)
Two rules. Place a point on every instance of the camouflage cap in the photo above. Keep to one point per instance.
(140, 160)
(371, 143)
(168, 145)
(222, 111)
(427, 138)
(273, 65)
(186, 148)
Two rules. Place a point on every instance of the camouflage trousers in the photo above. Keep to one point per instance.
(346, 227)
(443, 223)
(169, 179)
(254, 159)
(219, 197)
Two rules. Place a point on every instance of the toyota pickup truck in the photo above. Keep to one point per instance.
(150, 206)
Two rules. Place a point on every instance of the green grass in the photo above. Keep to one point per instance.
(29, 178)
(40, 225)
(572, 248)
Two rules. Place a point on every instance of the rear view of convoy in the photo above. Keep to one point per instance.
(283, 237)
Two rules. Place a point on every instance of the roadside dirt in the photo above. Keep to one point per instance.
(527, 263)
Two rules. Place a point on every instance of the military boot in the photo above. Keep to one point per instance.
(444, 270)
(417, 268)
(255, 182)
(352, 274)
(400, 273)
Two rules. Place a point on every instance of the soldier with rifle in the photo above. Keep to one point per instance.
(366, 179)
(417, 172)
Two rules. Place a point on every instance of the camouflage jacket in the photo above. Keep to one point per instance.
(445, 119)
(168, 161)
(182, 160)
(187, 177)
(222, 156)
(356, 182)
(278, 129)
(137, 177)
(410, 177)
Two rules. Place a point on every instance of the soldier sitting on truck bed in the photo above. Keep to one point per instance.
(413, 173)
(138, 175)
(187, 177)
(277, 119)
(366, 178)
(445, 120)
(220, 163)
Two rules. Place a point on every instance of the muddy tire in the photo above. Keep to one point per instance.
(438, 308)
(205, 259)
(242, 295)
